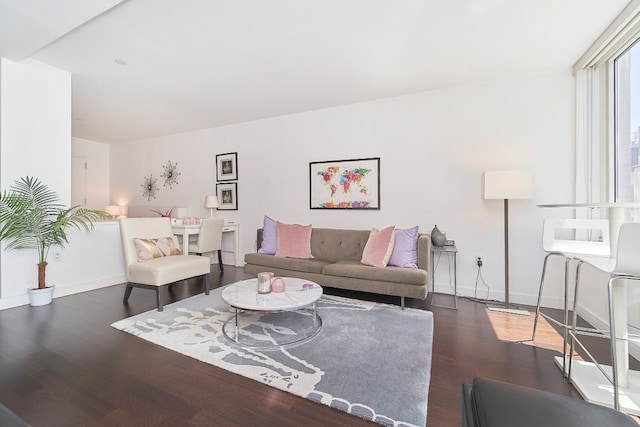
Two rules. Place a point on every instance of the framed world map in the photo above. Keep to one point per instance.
(345, 184)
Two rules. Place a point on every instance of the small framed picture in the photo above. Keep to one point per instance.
(227, 167)
(227, 196)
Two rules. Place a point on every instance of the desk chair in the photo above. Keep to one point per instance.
(158, 271)
(209, 239)
(556, 245)
(624, 268)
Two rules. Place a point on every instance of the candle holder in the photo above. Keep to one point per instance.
(264, 282)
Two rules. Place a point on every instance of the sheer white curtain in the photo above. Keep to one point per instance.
(591, 147)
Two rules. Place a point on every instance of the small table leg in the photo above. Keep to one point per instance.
(237, 313)
(315, 316)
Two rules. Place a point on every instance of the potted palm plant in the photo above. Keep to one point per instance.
(31, 217)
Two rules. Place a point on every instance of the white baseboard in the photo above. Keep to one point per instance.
(61, 291)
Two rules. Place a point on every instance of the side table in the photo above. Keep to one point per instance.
(450, 252)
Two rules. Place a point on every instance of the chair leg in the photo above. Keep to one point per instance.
(127, 292)
(205, 283)
(220, 260)
(159, 298)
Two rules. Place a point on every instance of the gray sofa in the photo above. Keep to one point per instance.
(336, 264)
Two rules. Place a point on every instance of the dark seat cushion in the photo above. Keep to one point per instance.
(9, 419)
(498, 404)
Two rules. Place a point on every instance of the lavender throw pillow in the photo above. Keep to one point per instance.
(269, 237)
(405, 249)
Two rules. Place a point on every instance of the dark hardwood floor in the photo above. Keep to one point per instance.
(63, 365)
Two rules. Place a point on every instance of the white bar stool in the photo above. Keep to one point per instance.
(559, 245)
(623, 268)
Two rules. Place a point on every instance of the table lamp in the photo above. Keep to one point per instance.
(505, 185)
(211, 202)
(114, 211)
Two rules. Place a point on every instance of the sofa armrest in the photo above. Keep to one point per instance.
(424, 253)
(467, 407)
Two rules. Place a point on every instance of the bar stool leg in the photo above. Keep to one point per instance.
(565, 317)
(616, 364)
(535, 320)
(540, 290)
(574, 322)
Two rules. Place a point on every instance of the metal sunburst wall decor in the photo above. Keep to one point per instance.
(150, 187)
(170, 174)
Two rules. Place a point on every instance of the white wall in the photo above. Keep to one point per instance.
(35, 140)
(433, 147)
(90, 260)
(96, 155)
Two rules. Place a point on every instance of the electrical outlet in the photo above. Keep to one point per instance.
(56, 256)
(479, 260)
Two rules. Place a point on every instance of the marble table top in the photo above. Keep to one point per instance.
(244, 295)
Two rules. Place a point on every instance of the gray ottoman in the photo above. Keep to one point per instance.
(490, 403)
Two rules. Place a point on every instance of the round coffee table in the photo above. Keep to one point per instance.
(299, 294)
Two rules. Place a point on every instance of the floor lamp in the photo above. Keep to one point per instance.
(506, 185)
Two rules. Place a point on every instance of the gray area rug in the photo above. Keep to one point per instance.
(370, 360)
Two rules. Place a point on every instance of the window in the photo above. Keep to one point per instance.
(627, 125)
(608, 115)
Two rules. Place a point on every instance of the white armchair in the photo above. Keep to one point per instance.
(160, 269)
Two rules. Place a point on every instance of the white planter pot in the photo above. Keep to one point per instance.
(39, 297)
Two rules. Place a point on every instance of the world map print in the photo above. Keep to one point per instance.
(344, 185)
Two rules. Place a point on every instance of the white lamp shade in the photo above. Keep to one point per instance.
(211, 202)
(514, 184)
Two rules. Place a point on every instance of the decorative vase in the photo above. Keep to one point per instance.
(438, 238)
(38, 297)
(277, 285)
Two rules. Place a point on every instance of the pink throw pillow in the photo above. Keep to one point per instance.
(294, 240)
(379, 247)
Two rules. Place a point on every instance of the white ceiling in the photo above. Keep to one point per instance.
(196, 64)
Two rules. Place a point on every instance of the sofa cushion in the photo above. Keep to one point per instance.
(405, 248)
(357, 270)
(294, 240)
(297, 264)
(269, 242)
(378, 249)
